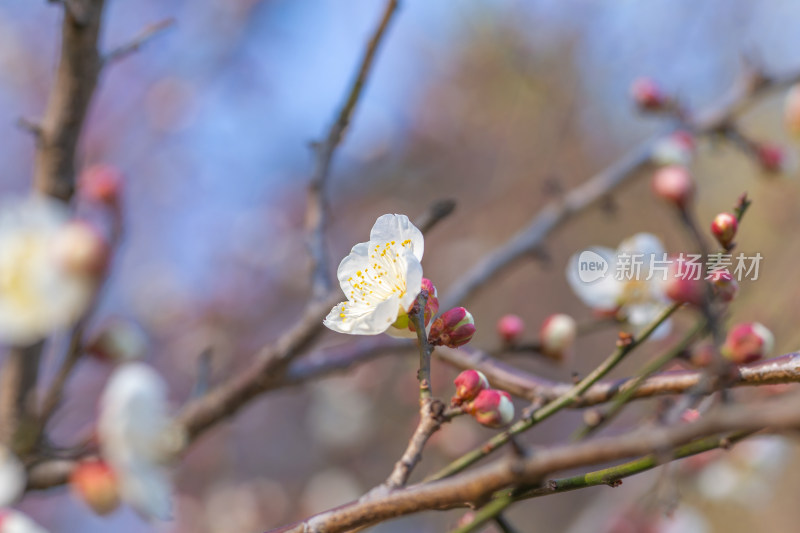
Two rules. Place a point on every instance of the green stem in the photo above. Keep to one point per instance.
(554, 406)
(651, 368)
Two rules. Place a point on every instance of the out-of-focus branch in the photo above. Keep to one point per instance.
(317, 212)
(476, 486)
(18, 397)
(137, 42)
(76, 79)
(714, 120)
(783, 369)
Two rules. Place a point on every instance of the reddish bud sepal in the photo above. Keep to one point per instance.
(748, 342)
(469, 384)
(101, 184)
(492, 408)
(510, 328)
(96, 484)
(724, 228)
(647, 94)
(431, 304)
(674, 184)
(557, 335)
(454, 328)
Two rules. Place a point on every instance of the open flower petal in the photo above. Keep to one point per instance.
(398, 228)
(360, 319)
(602, 293)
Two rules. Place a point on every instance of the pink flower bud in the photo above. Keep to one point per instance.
(791, 111)
(118, 340)
(724, 228)
(431, 304)
(684, 285)
(647, 94)
(454, 328)
(557, 335)
(81, 249)
(690, 415)
(101, 184)
(674, 184)
(772, 158)
(724, 285)
(96, 484)
(468, 384)
(747, 343)
(510, 328)
(492, 408)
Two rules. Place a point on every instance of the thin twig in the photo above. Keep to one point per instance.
(137, 42)
(425, 349)
(317, 211)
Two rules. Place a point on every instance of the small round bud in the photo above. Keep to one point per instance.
(676, 149)
(772, 158)
(557, 335)
(724, 285)
(492, 408)
(690, 415)
(81, 249)
(724, 228)
(748, 342)
(791, 112)
(101, 184)
(454, 328)
(510, 328)
(96, 484)
(469, 384)
(674, 184)
(647, 94)
(118, 340)
(684, 284)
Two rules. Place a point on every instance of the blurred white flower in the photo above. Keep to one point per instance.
(38, 293)
(381, 280)
(137, 438)
(12, 477)
(15, 522)
(640, 300)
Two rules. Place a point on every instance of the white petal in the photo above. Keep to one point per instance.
(361, 319)
(646, 244)
(356, 260)
(398, 228)
(413, 276)
(147, 488)
(602, 293)
(12, 477)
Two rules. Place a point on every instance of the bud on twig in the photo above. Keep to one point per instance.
(492, 408)
(724, 285)
(510, 328)
(674, 184)
(454, 328)
(101, 184)
(95, 483)
(748, 342)
(683, 286)
(557, 335)
(469, 384)
(647, 94)
(724, 228)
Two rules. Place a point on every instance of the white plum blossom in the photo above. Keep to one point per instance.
(380, 278)
(15, 522)
(639, 299)
(12, 477)
(137, 437)
(38, 294)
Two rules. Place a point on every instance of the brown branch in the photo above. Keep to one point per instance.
(528, 240)
(783, 369)
(317, 212)
(475, 487)
(18, 397)
(432, 415)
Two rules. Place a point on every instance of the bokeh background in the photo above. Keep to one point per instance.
(498, 105)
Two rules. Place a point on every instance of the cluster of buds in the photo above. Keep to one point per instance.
(557, 336)
(648, 96)
(95, 483)
(453, 328)
(724, 227)
(674, 184)
(490, 407)
(748, 342)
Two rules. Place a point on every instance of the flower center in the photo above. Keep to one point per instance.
(383, 278)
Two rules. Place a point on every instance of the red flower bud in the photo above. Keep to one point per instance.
(674, 184)
(647, 94)
(492, 408)
(468, 384)
(557, 335)
(101, 184)
(771, 157)
(724, 285)
(684, 285)
(510, 328)
(748, 342)
(96, 484)
(454, 328)
(724, 228)
(82, 250)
